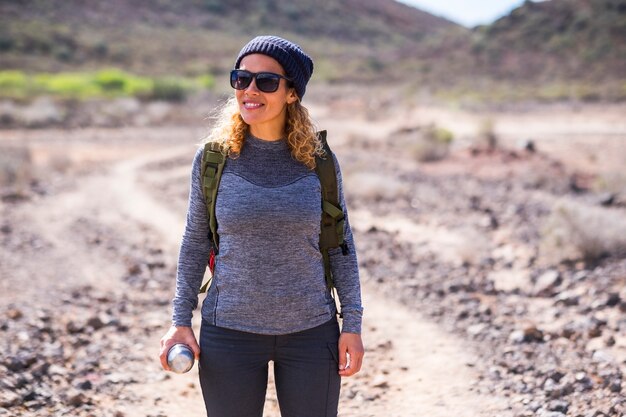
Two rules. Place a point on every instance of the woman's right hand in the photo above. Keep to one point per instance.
(180, 334)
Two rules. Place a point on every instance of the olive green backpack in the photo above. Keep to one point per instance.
(332, 222)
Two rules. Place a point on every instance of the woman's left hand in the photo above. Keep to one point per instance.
(350, 353)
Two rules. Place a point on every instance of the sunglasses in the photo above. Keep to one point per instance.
(266, 82)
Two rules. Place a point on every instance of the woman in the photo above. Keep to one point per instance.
(268, 300)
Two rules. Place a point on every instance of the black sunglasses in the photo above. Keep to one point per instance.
(267, 82)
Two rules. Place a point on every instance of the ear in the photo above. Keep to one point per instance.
(291, 96)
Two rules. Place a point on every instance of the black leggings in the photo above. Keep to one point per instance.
(233, 371)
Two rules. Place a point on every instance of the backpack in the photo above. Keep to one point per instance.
(332, 221)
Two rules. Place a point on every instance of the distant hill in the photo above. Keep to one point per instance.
(566, 39)
(193, 36)
(555, 42)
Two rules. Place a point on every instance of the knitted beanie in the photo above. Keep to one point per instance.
(298, 65)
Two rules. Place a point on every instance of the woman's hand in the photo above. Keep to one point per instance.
(175, 335)
(350, 353)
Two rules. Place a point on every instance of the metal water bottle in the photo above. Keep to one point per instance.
(180, 358)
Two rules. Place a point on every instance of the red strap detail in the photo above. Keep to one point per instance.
(212, 261)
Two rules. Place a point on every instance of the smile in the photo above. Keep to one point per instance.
(252, 106)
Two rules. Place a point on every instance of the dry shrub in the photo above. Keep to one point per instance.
(59, 162)
(613, 182)
(577, 231)
(42, 112)
(375, 186)
(425, 143)
(473, 247)
(486, 137)
(15, 168)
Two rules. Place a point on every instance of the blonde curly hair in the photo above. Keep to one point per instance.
(230, 132)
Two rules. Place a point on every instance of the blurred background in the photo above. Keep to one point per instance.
(483, 150)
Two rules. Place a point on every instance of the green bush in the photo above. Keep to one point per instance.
(71, 85)
(440, 134)
(139, 87)
(13, 84)
(105, 83)
(119, 83)
(111, 80)
(171, 89)
(206, 81)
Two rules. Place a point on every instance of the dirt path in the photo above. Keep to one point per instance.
(98, 238)
(411, 367)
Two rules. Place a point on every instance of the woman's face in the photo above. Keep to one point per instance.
(265, 113)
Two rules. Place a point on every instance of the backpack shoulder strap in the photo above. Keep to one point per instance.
(213, 160)
(332, 223)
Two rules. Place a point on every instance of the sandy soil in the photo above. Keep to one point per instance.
(98, 234)
(411, 363)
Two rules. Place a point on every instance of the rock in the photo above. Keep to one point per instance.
(76, 399)
(120, 378)
(567, 298)
(74, 327)
(83, 385)
(134, 269)
(29, 395)
(580, 276)
(528, 145)
(40, 369)
(95, 322)
(556, 376)
(371, 397)
(57, 370)
(556, 390)
(9, 399)
(534, 406)
(601, 356)
(558, 405)
(15, 314)
(583, 382)
(615, 385)
(609, 341)
(595, 331)
(20, 362)
(606, 199)
(510, 280)
(546, 283)
(527, 335)
(386, 345)
(546, 413)
(613, 299)
(476, 329)
(380, 382)
(516, 336)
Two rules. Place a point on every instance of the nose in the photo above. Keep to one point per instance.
(252, 88)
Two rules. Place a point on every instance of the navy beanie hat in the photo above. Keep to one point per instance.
(297, 65)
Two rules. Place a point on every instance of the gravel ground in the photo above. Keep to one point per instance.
(461, 241)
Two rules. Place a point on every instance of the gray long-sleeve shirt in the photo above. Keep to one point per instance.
(269, 273)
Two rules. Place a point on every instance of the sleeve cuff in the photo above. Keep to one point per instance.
(351, 321)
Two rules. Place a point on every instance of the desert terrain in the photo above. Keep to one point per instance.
(493, 277)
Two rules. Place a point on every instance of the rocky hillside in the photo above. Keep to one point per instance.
(581, 39)
(550, 43)
(189, 37)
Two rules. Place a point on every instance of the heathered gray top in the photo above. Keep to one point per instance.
(269, 273)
